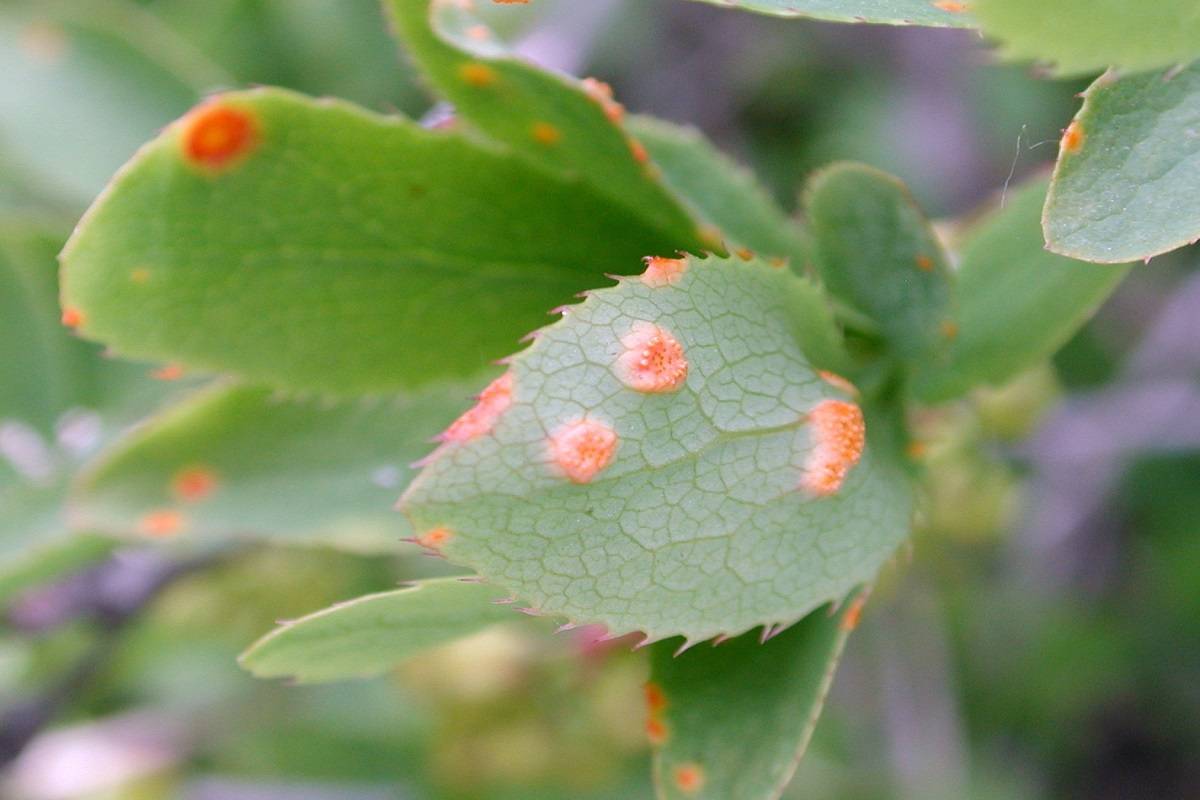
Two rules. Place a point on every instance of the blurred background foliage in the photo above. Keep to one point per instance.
(1040, 640)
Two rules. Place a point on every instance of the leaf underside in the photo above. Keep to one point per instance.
(738, 717)
(698, 526)
(1126, 188)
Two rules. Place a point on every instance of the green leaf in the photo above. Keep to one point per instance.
(1084, 36)
(1125, 184)
(369, 635)
(704, 519)
(732, 722)
(235, 461)
(549, 118)
(889, 12)
(876, 251)
(47, 559)
(722, 193)
(85, 84)
(1018, 303)
(344, 252)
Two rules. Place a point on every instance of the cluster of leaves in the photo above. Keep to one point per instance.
(349, 275)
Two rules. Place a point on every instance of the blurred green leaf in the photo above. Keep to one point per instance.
(721, 192)
(347, 252)
(85, 84)
(889, 12)
(551, 119)
(1125, 184)
(1018, 303)
(235, 461)
(1084, 36)
(372, 634)
(696, 505)
(876, 251)
(733, 721)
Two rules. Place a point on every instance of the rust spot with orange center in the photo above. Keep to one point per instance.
(72, 317)
(481, 418)
(924, 263)
(216, 135)
(194, 484)
(949, 329)
(663, 271)
(656, 700)
(546, 134)
(854, 613)
(435, 538)
(582, 449)
(602, 93)
(168, 372)
(689, 778)
(656, 731)
(161, 523)
(653, 360)
(839, 435)
(473, 73)
(1073, 138)
(952, 6)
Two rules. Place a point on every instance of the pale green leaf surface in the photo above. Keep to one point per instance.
(348, 252)
(85, 84)
(876, 251)
(1086, 36)
(889, 12)
(698, 526)
(284, 469)
(741, 714)
(578, 139)
(721, 192)
(1018, 303)
(1129, 191)
(369, 635)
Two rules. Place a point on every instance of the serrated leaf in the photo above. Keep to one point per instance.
(549, 118)
(732, 722)
(688, 509)
(1086, 36)
(85, 84)
(344, 252)
(1125, 184)
(722, 193)
(1018, 303)
(369, 635)
(889, 12)
(876, 251)
(235, 461)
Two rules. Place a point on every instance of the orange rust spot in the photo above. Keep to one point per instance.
(168, 372)
(951, 5)
(838, 382)
(194, 484)
(916, 449)
(778, 262)
(656, 731)
(139, 275)
(602, 93)
(583, 448)
(689, 778)
(854, 613)
(653, 360)
(639, 151)
(839, 435)
(72, 317)
(656, 700)
(163, 522)
(1073, 137)
(477, 74)
(510, 2)
(481, 418)
(215, 135)
(663, 271)
(435, 538)
(924, 263)
(949, 329)
(546, 134)
(479, 33)
(710, 235)
(744, 253)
